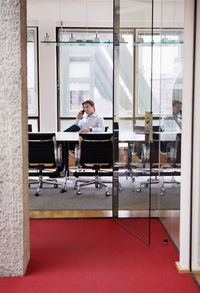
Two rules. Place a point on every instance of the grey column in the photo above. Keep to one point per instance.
(14, 207)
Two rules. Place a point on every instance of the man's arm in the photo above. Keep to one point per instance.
(78, 119)
(100, 125)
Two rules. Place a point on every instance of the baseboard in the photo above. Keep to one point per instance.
(180, 269)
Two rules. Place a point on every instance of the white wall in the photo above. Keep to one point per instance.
(186, 137)
(196, 152)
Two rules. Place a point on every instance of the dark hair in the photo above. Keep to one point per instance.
(176, 102)
(88, 102)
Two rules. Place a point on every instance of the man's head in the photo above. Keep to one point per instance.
(89, 107)
(177, 107)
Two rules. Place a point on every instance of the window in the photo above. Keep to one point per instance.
(32, 78)
(126, 74)
(167, 71)
(85, 72)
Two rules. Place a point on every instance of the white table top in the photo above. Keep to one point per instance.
(123, 136)
(131, 136)
(67, 136)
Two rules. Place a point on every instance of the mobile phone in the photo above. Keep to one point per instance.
(83, 111)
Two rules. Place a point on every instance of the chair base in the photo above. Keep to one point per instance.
(173, 181)
(147, 183)
(97, 182)
(40, 182)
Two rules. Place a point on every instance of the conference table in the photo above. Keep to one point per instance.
(123, 137)
(127, 137)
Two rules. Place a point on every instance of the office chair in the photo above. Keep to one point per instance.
(72, 146)
(96, 152)
(174, 159)
(151, 155)
(29, 127)
(42, 159)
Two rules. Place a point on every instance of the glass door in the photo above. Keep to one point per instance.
(167, 87)
(132, 112)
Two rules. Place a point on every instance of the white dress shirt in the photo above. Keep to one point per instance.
(93, 121)
(171, 123)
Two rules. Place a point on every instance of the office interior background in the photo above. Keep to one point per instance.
(134, 59)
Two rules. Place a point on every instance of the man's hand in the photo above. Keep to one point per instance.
(85, 130)
(80, 115)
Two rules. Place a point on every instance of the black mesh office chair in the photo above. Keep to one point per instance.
(174, 160)
(29, 127)
(42, 159)
(72, 145)
(151, 156)
(96, 152)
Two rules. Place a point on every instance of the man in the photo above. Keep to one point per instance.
(173, 123)
(177, 108)
(91, 123)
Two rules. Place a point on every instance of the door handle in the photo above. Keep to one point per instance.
(148, 128)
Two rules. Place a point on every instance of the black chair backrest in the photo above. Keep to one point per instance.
(178, 148)
(41, 149)
(156, 132)
(29, 127)
(96, 149)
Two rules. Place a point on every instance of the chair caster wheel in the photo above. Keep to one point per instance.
(107, 193)
(37, 194)
(78, 192)
(62, 190)
(55, 185)
(138, 189)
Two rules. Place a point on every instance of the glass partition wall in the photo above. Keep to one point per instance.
(167, 85)
(148, 69)
(134, 77)
(132, 88)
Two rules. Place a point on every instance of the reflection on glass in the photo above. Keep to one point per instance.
(167, 71)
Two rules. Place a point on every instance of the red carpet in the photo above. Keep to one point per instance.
(98, 256)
